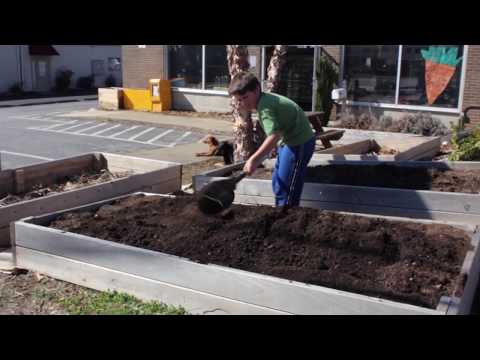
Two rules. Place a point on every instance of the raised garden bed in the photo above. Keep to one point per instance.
(375, 145)
(141, 175)
(418, 189)
(255, 259)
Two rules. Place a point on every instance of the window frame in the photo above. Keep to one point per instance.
(456, 110)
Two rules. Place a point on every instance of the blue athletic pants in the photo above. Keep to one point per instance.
(289, 173)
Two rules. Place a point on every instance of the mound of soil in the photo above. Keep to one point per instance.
(389, 176)
(69, 183)
(400, 261)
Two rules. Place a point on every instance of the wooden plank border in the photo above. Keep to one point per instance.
(260, 291)
(148, 176)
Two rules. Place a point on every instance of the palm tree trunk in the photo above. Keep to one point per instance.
(237, 57)
(273, 80)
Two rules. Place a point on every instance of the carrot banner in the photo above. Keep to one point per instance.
(440, 66)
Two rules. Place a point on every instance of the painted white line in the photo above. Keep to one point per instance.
(75, 126)
(90, 128)
(140, 134)
(103, 137)
(123, 132)
(159, 136)
(57, 125)
(25, 155)
(55, 113)
(180, 139)
(105, 130)
(30, 119)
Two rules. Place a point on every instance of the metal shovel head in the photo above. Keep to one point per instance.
(216, 197)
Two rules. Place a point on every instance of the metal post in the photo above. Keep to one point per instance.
(399, 69)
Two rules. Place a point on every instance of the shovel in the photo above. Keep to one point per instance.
(219, 194)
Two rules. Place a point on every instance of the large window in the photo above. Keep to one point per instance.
(428, 75)
(217, 76)
(371, 72)
(185, 65)
(413, 88)
(188, 69)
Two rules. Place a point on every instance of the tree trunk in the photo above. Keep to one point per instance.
(248, 134)
(237, 57)
(273, 80)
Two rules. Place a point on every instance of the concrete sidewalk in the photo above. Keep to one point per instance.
(46, 100)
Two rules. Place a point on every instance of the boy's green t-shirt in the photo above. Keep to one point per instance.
(278, 113)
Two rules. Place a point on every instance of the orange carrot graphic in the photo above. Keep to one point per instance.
(440, 66)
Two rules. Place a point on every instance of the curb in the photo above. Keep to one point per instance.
(46, 102)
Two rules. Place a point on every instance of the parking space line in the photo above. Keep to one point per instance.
(104, 137)
(159, 136)
(57, 125)
(24, 155)
(123, 132)
(75, 126)
(180, 138)
(105, 130)
(140, 134)
(90, 128)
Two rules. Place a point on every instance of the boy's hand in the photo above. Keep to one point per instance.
(250, 167)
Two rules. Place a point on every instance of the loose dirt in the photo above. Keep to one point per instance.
(401, 261)
(389, 176)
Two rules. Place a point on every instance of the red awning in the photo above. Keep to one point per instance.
(43, 50)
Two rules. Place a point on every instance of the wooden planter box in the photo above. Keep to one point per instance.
(422, 204)
(355, 144)
(148, 175)
(202, 288)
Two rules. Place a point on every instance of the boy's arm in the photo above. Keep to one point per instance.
(268, 145)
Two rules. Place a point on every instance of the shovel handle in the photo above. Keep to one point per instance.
(239, 177)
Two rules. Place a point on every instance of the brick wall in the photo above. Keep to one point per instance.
(471, 95)
(140, 65)
(334, 51)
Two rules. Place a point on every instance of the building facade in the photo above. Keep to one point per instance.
(381, 79)
(35, 67)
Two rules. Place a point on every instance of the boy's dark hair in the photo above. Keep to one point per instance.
(243, 82)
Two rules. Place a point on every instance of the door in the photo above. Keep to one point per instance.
(41, 70)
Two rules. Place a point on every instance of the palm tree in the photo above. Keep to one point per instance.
(248, 135)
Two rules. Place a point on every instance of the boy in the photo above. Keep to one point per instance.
(282, 120)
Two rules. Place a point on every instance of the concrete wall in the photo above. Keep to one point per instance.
(9, 71)
(78, 58)
(200, 102)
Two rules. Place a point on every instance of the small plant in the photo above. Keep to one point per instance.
(63, 80)
(110, 81)
(85, 82)
(466, 149)
(16, 89)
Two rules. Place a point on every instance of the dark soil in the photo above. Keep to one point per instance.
(400, 261)
(69, 183)
(389, 176)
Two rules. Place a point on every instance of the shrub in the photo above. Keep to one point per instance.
(85, 82)
(63, 80)
(467, 149)
(16, 89)
(327, 76)
(110, 81)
